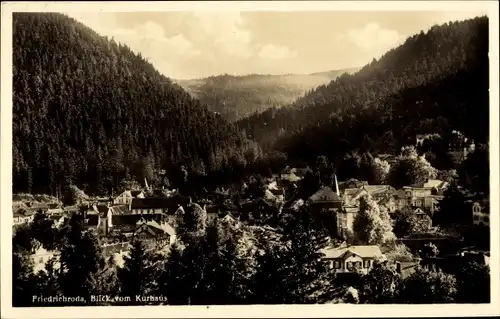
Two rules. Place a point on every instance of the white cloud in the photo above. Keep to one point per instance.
(373, 39)
(272, 51)
(224, 30)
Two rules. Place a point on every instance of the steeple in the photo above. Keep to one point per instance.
(336, 186)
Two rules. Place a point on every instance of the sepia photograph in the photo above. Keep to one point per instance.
(239, 156)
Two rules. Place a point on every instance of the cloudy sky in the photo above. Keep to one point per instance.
(186, 45)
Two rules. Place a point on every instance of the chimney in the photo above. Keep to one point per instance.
(398, 267)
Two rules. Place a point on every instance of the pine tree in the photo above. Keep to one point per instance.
(23, 283)
(173, 274)
(299, 275)
(81, 260)
(137, 277)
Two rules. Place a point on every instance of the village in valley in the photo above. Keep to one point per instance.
(155, 215)
(138, 181)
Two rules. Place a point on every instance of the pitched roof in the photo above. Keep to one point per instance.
(22, 213)
(297, 204)
(126, 193)
(151, 203)
(352, 193)
(179, 211)
(120, 210)
(431, 183)
(135, 193)
(301, 172)
(74, 208)
(269, 196)
(374, 190)
(291, 177)
(156, 227)
(228, 218)
(39, 206)
(364, 251)
(399, 194)
(273, 186)
(351, 210)
(325, 194)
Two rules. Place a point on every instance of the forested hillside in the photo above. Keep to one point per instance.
(436, 81)
(90, 112)
(236, 97)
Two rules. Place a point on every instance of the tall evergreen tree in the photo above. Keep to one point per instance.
(137, 277)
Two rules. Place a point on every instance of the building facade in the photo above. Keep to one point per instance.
(349, 259)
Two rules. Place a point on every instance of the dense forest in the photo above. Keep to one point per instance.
(88, 111)
(436, 82)
(236, 97)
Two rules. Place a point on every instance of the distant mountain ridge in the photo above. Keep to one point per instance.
(347, 108)
(236, 97)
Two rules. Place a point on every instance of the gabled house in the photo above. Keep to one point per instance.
(154, 234)
(481, 213)
(71, 209)
(257, 209)
(126, 224)
(350, 184)
(55, 212)
(126, 197)
(39, 207)
(325, 199)
(41, 256)
(425, 195)
(399, 200)
(276, 190)
(379, 193)
(22, 216)
(158, 205)
(348, 259)
(91, 220)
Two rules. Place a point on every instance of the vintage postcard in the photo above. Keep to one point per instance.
(249, 159)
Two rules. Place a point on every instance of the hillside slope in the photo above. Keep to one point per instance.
(236, 97)
(355, 102)
(90, 112)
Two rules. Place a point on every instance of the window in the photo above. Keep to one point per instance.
(366, 264)
(476, 217)
(336, 264)
(486, 219)
(349, 265)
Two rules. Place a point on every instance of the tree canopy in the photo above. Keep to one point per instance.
(84, 103)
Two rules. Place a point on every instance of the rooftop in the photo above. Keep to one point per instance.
(364, 251)
(325, 194)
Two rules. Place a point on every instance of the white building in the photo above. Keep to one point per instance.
(346, 258)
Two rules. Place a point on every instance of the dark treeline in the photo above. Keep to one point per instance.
(216, 263)
(90, 112)
(236, 97)
(435, 82)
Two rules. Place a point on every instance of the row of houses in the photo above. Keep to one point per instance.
(343, 202)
